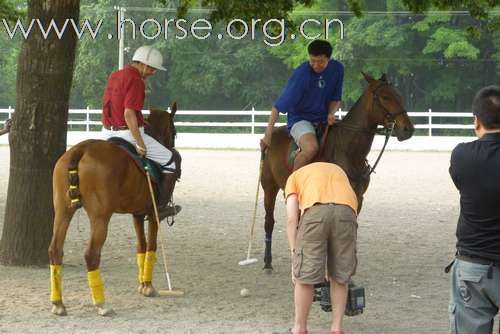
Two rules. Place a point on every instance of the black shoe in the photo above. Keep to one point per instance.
(168, 211)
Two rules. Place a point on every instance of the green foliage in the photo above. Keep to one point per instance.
(243, 9)
(9, 51)
(426, 56)
(451, 43)
(9, 10)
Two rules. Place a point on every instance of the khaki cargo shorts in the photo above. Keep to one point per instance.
(326, 235)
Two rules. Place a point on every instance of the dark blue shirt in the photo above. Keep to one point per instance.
(308, 94)
(475, 170)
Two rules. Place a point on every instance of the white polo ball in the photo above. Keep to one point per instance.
(244, 292)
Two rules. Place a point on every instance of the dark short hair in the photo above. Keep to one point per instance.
(486, 107)
(320, 47)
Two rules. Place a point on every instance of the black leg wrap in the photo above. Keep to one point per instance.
(268, 257)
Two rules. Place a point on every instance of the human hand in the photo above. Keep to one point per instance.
(331, 118)
(264, 143)
(141, 149)
(7, 125)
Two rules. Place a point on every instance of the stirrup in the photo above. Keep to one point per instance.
(168, 211)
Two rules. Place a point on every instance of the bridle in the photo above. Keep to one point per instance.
(387, 130)
(390, 117)
(173, 133)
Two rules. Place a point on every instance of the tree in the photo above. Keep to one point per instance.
(38, 135)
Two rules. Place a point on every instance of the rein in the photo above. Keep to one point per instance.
(388, 133)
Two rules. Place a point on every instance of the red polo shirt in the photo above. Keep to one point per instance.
(124, 89)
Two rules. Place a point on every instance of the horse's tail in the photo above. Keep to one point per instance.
(74, 181)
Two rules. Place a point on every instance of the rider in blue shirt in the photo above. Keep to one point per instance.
(310, 99)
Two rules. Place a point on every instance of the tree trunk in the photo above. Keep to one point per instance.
(38, 134)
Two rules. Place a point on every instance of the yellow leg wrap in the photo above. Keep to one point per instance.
(149, 265)
(96, 286)
(55, 283)
(140, 265)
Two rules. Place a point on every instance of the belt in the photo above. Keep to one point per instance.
(478, 260)
(115, 128)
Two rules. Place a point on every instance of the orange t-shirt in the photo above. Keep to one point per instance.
(321, 182)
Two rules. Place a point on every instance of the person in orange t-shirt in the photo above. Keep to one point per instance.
(324, 236)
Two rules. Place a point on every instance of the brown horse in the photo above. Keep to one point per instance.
(102, 177)
(347, 144)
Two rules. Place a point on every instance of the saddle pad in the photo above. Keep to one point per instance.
(154, 168)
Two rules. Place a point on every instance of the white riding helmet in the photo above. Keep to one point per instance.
(149, 56)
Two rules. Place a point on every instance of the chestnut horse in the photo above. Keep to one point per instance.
(347, 144)
(103, 178)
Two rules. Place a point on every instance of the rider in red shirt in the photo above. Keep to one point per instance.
(122, 104)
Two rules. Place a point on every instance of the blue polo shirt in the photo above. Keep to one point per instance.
(308, 94)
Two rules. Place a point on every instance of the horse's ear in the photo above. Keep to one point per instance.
(368, 77)
(173, 109)
(383, 78)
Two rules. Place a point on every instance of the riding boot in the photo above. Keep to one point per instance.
(167, 189)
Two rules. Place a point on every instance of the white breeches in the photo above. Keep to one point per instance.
(154, 150)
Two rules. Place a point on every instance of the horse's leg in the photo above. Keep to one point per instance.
(270, 191)
(141, 249)
(150, 260)
(63, 215)
(99, 231)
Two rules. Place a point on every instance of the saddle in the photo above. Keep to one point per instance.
(294, 148)
(141, 163)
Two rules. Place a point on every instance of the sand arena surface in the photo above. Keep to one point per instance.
(405, 239)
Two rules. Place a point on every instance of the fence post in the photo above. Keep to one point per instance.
(340, 113)
(253, 120)
(9, 113)
(88, 119)
(430, 122)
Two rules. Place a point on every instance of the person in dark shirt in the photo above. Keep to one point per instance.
(475, 170)
(310, 100)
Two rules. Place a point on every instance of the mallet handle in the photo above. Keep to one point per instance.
(157, 216)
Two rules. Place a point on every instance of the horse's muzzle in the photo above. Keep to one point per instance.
(404, 133)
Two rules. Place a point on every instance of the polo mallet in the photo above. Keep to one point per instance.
(170, 292)
(249, 260)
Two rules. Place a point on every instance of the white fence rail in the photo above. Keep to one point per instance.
(86, 123)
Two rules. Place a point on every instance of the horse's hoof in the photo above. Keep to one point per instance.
(140, 288)
(59, 309)
(104, 311)
(149, 291)
(268, 271)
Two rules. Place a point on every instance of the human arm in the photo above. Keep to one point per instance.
(292, 213)
(265, 142)
(131, 120)
(454, 164)
(332, 108)
(287, 101)
(336, 93)
(6, 127)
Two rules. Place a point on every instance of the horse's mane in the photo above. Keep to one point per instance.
(160, 126)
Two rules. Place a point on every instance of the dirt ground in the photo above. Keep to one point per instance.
(405, 237)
